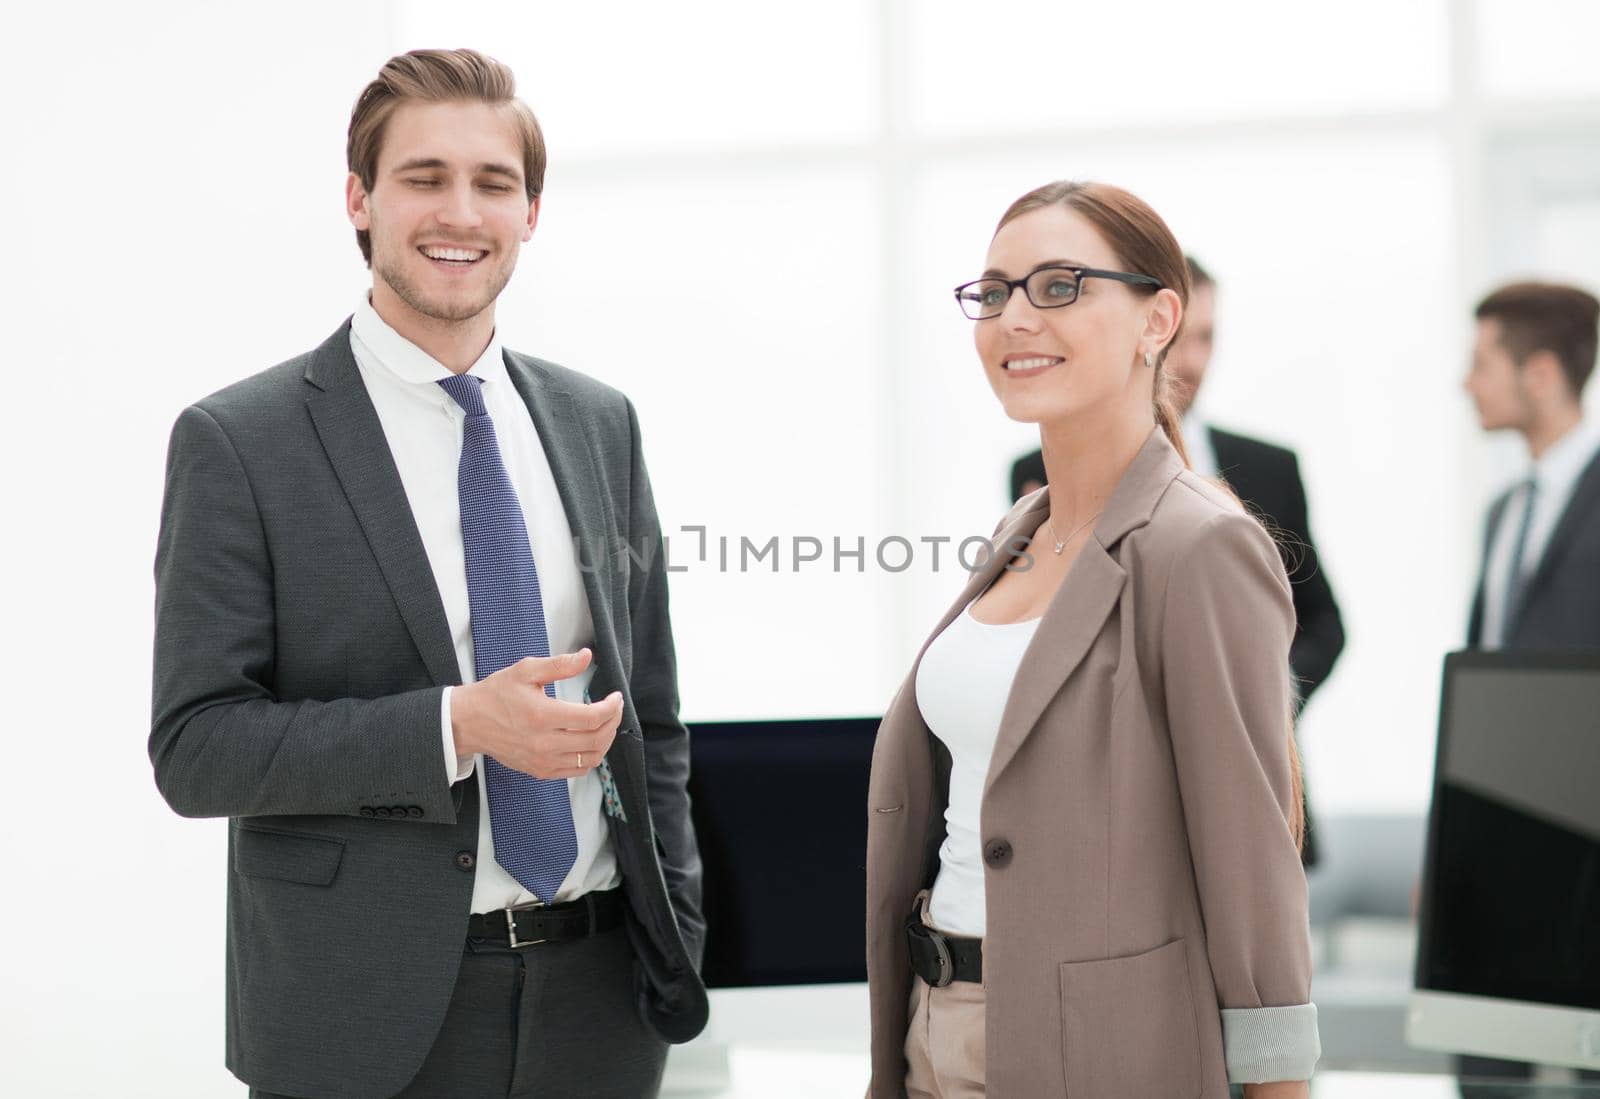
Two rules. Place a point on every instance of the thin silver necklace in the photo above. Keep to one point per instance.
(1061, 543)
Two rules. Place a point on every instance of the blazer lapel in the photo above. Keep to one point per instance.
(1583, 504)
(1222, 452)
(564, 432)
(1086, 598)
(904, 735)
(1480, 592)
(353, 439)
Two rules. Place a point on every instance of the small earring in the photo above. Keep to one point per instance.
(1149, 361)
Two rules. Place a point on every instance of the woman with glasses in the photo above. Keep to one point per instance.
(1083, 871)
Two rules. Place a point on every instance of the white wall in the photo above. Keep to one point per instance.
(802, 185)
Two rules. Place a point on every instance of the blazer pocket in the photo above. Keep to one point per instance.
(1128, 1026)
(287, 856)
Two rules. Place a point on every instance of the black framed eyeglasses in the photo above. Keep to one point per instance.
(1046, 288)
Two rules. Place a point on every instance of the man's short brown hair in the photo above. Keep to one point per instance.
(1547, 316)
(437, 76)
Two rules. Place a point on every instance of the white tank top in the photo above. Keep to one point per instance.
(962, 686)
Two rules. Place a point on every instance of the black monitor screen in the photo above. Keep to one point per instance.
(780, 808)
(1511, 900)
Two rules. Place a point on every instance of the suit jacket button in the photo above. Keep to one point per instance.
(381, 811)
(465, 860)
(368, 811)
(413, 810)
(997, 852)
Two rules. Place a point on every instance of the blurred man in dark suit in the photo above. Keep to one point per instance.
(1266, 478)
(1539, 583)
(1539, 586)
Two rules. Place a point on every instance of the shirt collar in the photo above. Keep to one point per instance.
(1564, 462)
(408, 362)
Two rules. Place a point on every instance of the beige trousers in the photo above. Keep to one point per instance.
(944, 1044)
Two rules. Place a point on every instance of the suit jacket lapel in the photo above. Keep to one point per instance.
(1222, 452)
(1480, 593)
(905, 708)
(565, 433)
(353, 439)
(1583, 504)
(1085, 599)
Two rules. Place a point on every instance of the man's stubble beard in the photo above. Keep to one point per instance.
(394, 275)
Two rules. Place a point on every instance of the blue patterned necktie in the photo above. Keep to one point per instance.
(532, 818)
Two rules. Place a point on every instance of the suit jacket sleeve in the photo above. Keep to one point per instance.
(654, 690)
(221, 742)
(1227, 625)
(1319, 635)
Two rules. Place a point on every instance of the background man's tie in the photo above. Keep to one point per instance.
(532, 818)
(1517, 582)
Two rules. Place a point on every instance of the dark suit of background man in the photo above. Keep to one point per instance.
(1266, 478)
(346, 536)
(1539, 583)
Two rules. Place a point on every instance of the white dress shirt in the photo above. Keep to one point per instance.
(1556, 473)
(423, 425)
(962, 685)
(1197, 440)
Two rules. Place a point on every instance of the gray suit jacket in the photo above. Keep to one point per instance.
(301, 649)
(1561, 608)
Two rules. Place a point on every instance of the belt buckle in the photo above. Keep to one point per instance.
(947, 965)
(511, 926)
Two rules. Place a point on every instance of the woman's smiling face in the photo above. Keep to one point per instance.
(1059, 363)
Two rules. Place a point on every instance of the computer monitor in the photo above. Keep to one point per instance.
(780, 809)
(780, 812)
(1508, 952)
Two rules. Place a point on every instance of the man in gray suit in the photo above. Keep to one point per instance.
(392, 573)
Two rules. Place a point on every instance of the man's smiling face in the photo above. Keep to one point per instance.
(448, 210)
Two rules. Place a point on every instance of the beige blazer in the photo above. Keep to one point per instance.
(1145, 901)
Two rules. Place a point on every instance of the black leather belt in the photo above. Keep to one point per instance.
(533, 924)
(939, 958)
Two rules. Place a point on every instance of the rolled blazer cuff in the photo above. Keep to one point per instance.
(1264, 1044)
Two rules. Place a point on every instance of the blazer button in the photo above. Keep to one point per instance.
(368, 811)
(381, 811)
(413, 810)
(465, 860)
(997, 852)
